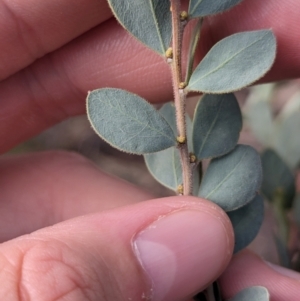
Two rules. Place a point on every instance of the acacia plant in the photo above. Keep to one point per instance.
(174, 146)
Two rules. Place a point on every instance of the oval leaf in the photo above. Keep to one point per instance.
(246, 222)
(128, 122)
(147, 20)
(217, 125)
(278, 179)
(254, 293)
(231, 181)
(165, 167)
(235, 62)
(202, 8)
(287, 138)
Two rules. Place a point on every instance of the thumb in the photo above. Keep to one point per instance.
(165, 249)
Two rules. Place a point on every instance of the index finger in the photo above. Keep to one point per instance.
(30, 29)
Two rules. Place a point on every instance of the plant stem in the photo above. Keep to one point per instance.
(180, 97)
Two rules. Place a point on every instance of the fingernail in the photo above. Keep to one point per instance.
(182, 252)
(284, 271)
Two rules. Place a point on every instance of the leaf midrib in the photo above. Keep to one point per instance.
(137, 120)
(210, 129)
(225, 179)
(195, 6)
(225, 62)
(157, 27)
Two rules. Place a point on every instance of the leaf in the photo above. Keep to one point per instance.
(217, 125)
(231, 181)
(258, 114)
(246, 222)
(147, 20)
(168, 112)
(194, 41)
(165, 167)
(235, 62)
(287, 138)
(201, 8)
(278, 180)
(264, 91)
(128, 122)
(254, 293)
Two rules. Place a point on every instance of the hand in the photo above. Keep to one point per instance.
(52, 53)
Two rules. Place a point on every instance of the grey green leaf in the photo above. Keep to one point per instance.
(254, 293)
(287, 138)
(165, 167)
(128, 122)
(168, 112)
(246, 222)
(202, 8)
(217, 125)
(194, 40)
(258, 114)
(235, 62)
(147, 20)
(231, 181)
(278, 180)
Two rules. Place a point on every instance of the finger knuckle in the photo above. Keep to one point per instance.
(47, 271)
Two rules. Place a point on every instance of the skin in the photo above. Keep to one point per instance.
(53, 204)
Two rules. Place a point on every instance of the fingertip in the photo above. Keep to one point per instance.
(247, 269)
(186, 249)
